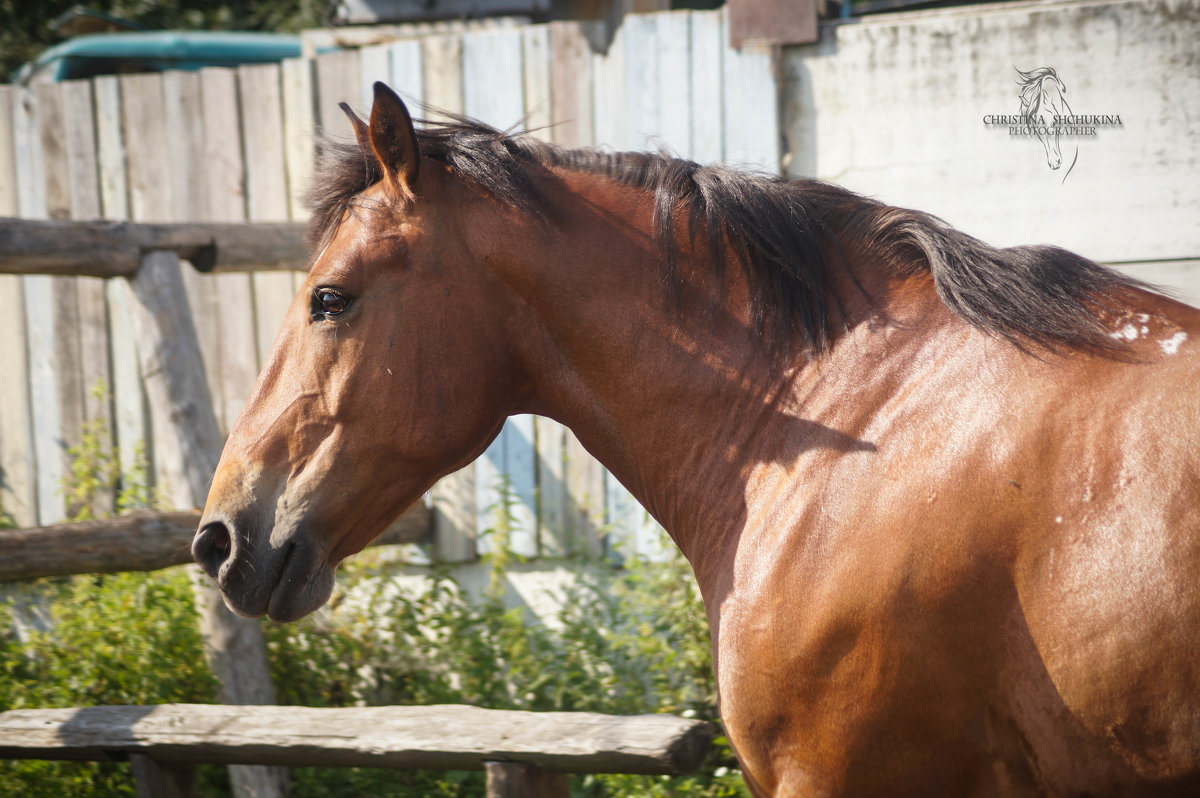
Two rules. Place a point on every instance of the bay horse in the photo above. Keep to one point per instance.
(940, 498)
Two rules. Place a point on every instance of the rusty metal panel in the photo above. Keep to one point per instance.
(772, 22)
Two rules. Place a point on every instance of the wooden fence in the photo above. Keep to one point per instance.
(525, 754)
(234, 145)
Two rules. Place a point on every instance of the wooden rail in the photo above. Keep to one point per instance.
(524, 753)
(115, 249)
(140, 541)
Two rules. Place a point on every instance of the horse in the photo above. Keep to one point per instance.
(940, 498)
(1043, 94)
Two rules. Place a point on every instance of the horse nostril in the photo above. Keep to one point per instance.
(211, 547)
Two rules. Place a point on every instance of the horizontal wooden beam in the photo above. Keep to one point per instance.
(140, 541)
(115, 249)
(448, 737)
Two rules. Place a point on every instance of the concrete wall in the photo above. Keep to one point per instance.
(893, 106)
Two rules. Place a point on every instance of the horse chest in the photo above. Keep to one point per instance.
(853, 674)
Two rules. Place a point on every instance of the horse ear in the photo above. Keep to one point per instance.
(394, 140)
(361, 131)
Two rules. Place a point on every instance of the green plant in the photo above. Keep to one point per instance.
(89, 640)
(6, 519)
(626, 641)
(137, 491)
(95, 468)
(95, 472)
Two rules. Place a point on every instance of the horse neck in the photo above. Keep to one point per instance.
(676, 395)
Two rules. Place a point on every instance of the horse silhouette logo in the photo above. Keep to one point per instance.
(1044, 97)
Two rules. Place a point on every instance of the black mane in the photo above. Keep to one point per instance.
(788, 235)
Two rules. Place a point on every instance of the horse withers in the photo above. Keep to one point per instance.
(940, 498)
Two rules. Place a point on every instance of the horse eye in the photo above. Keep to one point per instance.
(328, 303)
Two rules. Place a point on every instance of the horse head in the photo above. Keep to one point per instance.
(387, 374)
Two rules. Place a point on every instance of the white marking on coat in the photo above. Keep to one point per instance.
(1172, 344)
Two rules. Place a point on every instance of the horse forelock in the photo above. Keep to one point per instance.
(788, 236)
(343, 173)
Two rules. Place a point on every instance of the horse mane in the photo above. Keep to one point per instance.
(790, 236)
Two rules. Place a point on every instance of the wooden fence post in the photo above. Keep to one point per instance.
(523, 780)
(154, 779)
(187, 436)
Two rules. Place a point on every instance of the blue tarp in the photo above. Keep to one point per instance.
(156, 51)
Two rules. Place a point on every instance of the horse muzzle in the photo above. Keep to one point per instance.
(283, 581)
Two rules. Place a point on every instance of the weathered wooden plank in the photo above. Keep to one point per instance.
(149, 169)
(772, 22)
(535, 58)
(188, 180)
(138, 541)
(337, 82)
(48, 446)
(38, 302)
(299, 129)
(130, 422)
(521, 467)
(375, 63)
(454, 513)
(407, 75)
(505, 480)
(161, 318)
(63, 384)
(673, 32)
(8, 167)
(187, 440)
(67, 386)
(18, 497)
(706, 54)
(490, 520)
(750, 107)
(186, 176)
(51, 131)
(553, 498)
(521, 780)
(221, 118)
(643, 116)
(115, 249)
(27, 149)
(226, 191)
(145, 147)
(83, 184)
(439, 737)
(608, 94)
(141, 541)
(442, 61)
(493, 77)
(80, 136)
(266, 188)
(586, 529)
(571, 85)
(110, 148)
